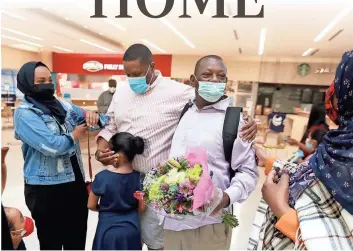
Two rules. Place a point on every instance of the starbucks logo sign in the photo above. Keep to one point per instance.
(303, 70)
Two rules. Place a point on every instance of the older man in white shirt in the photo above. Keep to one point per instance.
(148, 106)
(202, 125)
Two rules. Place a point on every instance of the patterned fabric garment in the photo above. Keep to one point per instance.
(332, 224)
(300, 176)
(321, 190)
(333, 160)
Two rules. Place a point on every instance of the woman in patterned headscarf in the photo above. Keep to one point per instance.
(311, 206)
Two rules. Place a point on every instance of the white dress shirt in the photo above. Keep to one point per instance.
(204, 128)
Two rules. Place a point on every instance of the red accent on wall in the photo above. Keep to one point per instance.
(73, 63)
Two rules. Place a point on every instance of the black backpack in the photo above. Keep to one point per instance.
(230, 131)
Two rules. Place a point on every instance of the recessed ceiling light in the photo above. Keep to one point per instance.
(62, 49)
(170, 26)
(21, 41)
(115, 24)
(67, 19)
(25, 47)
(334, 22)
(100, 33)
(21, 33)
(96, 45)
(12, 15)
(85, 26)
(307, 52)
(262, 41)
(153, 45)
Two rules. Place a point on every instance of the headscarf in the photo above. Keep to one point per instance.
(333, 161)
(25, 83)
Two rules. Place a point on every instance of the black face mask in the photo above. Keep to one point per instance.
(44, 91)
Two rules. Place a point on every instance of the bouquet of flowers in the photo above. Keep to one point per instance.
(182, 187)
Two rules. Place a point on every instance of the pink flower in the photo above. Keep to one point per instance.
(180, 208)
(139, 195)
(185, 188)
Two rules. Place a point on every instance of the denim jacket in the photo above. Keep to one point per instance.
(48, 146)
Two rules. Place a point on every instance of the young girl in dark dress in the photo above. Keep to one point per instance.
(113, 196)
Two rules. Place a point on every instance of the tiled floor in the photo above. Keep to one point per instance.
(13, 196)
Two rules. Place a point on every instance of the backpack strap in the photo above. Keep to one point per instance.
(186, 108)
(230, 132)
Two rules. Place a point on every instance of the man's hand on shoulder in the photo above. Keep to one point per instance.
(249, 130)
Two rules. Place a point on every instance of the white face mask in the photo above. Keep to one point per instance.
(112, 89)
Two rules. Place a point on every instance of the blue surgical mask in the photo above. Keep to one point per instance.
(211, 91)
(308, 144)
(139, 84)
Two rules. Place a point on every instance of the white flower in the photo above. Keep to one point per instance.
(345, 184)
(333, 192)
(328, 175)
(339, 174)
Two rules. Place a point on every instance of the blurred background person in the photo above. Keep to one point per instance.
(106, 97)
(6, 242)
(317, 120)
(20, 226)
(13, 226)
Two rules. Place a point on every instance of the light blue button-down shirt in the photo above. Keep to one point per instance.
(204, 128)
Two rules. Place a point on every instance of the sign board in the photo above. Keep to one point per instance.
(102, 64)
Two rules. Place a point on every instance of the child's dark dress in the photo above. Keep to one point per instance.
(118, 227)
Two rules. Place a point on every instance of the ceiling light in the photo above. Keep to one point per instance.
(307, 52)
(21, 41)
(25, 47)
(100, 33)
(169, 25)
(21, 33)
(67, 19)
(115, 24)
(12, 15)
(153, 45)
(335, 21)
(262, 41)
(85, 26)
(96, 45)
(62, 49)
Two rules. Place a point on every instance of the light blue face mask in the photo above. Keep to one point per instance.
(211, 91)
(139, 84)
(308, 144)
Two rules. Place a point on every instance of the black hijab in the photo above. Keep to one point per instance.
(48, 105)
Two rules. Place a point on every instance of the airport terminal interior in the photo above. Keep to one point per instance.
(278, 67)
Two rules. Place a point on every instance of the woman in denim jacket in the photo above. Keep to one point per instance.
(50, 130)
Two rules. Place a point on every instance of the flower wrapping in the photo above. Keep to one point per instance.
(182, 186)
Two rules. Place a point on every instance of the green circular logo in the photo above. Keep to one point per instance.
(303, 69)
